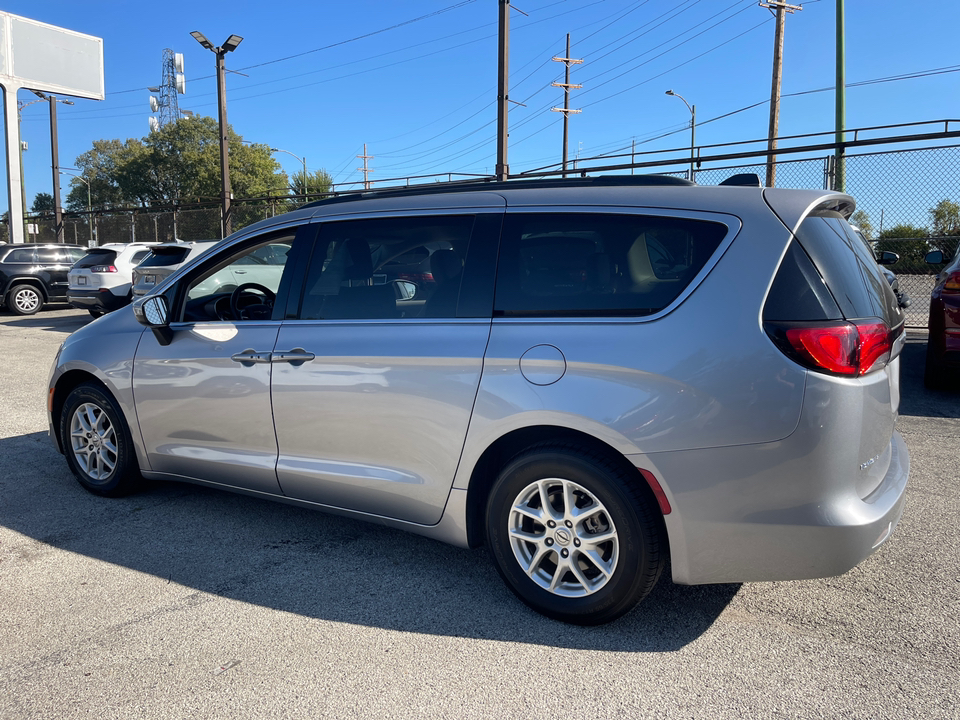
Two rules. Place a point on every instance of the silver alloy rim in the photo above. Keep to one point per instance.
(563, 537)
(27, 300)
(93, 440)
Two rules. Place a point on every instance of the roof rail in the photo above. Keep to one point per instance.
(495, 185)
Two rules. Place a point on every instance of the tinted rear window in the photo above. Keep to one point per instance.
(595, 264)
(97, 257)
(165, 256)
(848, 268)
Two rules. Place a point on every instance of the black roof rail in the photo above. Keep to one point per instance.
(495, 185)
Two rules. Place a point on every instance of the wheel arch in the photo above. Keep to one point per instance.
(65, 384)
(508, 446)
(29, 280)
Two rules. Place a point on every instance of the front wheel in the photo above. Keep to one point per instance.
(24, 300)
(97, 443)
(572, 536)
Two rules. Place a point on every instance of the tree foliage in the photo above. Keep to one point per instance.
(178, 163)
(945, 218)
(42, 204)
(862, 220)
(316, 186)
(908, 241)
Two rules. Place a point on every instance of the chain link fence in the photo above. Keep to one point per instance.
(897, 192)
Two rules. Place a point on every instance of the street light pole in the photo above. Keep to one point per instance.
(693, 130)
(302, 160)
(226, 194)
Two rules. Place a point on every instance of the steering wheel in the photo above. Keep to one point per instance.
(267, 293)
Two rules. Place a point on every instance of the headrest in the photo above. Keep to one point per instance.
(445, 265)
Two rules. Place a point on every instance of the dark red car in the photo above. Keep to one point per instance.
(943, 346)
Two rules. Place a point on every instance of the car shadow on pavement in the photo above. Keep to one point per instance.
(915, 398)
(309, 563)
(56, 322)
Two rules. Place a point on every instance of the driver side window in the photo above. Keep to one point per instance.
(241, 286)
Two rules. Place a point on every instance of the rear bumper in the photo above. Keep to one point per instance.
(744, 518)
(96, 299)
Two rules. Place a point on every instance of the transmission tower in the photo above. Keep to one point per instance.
(173, 83)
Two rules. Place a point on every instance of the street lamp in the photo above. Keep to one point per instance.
(230, 44)
(693, 128)
(301, 159)
(89, 204)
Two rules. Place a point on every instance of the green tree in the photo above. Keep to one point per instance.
(945, 218)
(316, 186)
(178, 163)
(862, 220)
(909, 242)
(42, 204)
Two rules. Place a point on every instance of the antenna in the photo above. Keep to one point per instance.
(174, 83)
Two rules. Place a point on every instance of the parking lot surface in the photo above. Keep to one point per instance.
(184, 602)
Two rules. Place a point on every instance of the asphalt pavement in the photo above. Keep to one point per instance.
(184, 602)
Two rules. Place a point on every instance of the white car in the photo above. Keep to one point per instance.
(163, 261)
(101, 280)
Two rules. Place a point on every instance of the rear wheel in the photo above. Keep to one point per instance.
(572, 536)
(95, 313)
(24, 300)
(97, 443)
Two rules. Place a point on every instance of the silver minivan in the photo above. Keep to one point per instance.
(600, 374)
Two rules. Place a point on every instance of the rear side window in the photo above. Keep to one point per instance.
(139, 256)
(22, 255)
(598, 264)
(848, 268)
(97, 257)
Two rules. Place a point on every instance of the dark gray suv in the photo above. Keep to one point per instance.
(599, 375)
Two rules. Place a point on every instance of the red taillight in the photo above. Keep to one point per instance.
(952, 284)
(842, 348)
(104, 268)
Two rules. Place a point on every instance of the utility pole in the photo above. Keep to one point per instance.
(568, 61)
(366, 170)
(503, 68)
(55, 160)
(782, 9)
(841, 174)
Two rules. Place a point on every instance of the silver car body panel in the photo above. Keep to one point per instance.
(755, 454)
(377, 421)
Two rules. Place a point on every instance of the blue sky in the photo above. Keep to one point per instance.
(416, 80)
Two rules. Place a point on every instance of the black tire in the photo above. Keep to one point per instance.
(564, 582)
(96, 441)
(95, 313)
(24, 300)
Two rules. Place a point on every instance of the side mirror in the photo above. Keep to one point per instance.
(934, 257)
(888, 258)
(154, 312)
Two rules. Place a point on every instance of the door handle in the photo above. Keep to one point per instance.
(251, 357)
(297, 356)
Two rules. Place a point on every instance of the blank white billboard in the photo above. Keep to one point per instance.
(38, 56)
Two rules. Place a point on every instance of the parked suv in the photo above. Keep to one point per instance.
(163, 260)
(100, 281)
(34, 274)
(604, 373)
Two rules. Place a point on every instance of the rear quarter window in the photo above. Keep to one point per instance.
(848, 268)
(598, 264)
